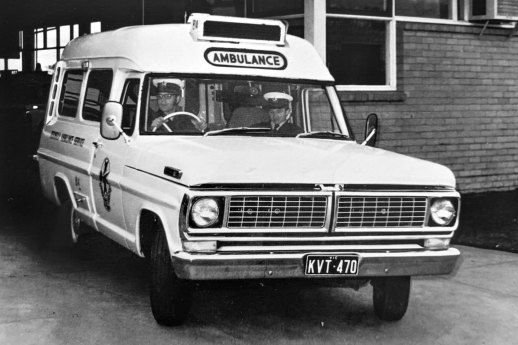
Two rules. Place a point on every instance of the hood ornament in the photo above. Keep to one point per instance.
(330, 188)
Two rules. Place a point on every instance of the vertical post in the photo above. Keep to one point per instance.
(315, 25)
(453, 12)
(58, 42)
(143, 11)
(28, 51)
(84, 28)
(466, 10)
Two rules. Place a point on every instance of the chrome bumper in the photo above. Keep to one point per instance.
(261, 266)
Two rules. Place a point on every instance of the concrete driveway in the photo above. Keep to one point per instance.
(99, 296)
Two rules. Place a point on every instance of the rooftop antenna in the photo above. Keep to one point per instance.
(185, 17)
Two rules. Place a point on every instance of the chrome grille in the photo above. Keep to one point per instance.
(277, 212)
(361, 212)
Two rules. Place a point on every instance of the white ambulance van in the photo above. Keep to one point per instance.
(219, 150)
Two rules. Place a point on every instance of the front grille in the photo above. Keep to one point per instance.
(361, 212)
(277, 212)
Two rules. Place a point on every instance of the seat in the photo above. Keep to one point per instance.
(247, 116)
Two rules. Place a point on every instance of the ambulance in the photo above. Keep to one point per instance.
(219, 150)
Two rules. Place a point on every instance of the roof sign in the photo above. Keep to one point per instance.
(245, 58)
(232, 29)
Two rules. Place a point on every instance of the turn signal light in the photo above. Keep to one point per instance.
(200, 246)
(437, 243)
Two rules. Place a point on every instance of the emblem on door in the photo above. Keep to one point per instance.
(106, 189)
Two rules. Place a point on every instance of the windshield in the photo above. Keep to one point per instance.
(210, 106)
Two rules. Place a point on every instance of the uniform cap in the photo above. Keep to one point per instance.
(276, 100)
(168, 85)
(165, 87)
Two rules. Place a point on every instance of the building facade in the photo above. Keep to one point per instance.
(459, 104)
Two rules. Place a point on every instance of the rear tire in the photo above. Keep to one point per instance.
(390, 296)
(171, 297)
(63, 235)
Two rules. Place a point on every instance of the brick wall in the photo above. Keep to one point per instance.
(459, 105)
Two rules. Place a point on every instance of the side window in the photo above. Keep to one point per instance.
(322, 117)
(97, 93)
(69, 98)
(129, 105)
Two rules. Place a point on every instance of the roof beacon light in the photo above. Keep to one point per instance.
(206, 27)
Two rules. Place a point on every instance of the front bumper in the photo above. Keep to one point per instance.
(261, 266)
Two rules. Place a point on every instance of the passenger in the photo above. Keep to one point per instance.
(279, 109)
(169, 95)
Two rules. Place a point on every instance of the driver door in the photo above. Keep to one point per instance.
(108, 160)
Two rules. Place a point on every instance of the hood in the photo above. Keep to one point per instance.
(237, 159)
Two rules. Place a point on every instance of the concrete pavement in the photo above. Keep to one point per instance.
(98, 295)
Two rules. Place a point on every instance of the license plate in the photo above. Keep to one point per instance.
(343, 265)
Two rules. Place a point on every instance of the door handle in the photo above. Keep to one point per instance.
(97, 144)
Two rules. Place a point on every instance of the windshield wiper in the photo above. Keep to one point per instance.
(238, 130)
(324, 135)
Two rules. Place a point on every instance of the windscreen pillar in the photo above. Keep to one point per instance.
(315, 25)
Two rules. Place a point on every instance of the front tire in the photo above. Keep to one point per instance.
(390, 297)
(171, 297)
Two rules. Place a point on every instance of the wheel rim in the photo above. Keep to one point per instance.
(75, 222)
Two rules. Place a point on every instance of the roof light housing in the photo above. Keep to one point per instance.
(205, 27)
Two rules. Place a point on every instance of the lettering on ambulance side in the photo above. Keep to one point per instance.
(245, 58)
(67, 138)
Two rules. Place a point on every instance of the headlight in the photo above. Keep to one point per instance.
(442, 211)
(205, 212)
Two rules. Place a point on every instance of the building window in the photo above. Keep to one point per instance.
(296, 26)
(46, 57)
(226, 8)
(49, 42)
(440, 9)
(64, 35)
(361, 38)
(360, 44)
(12, 45)
(95, 27)
(357, 51)
(45, 41)
(363, 7)
(270, 8)
(14, 64)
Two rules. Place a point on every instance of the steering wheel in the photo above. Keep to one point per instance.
(169, 116)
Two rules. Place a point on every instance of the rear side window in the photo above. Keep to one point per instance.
(69, 98)
(97, 93)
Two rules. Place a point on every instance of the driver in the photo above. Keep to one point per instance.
(169, 95)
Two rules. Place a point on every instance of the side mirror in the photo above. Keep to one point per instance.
(371, 130)
(111, 120)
